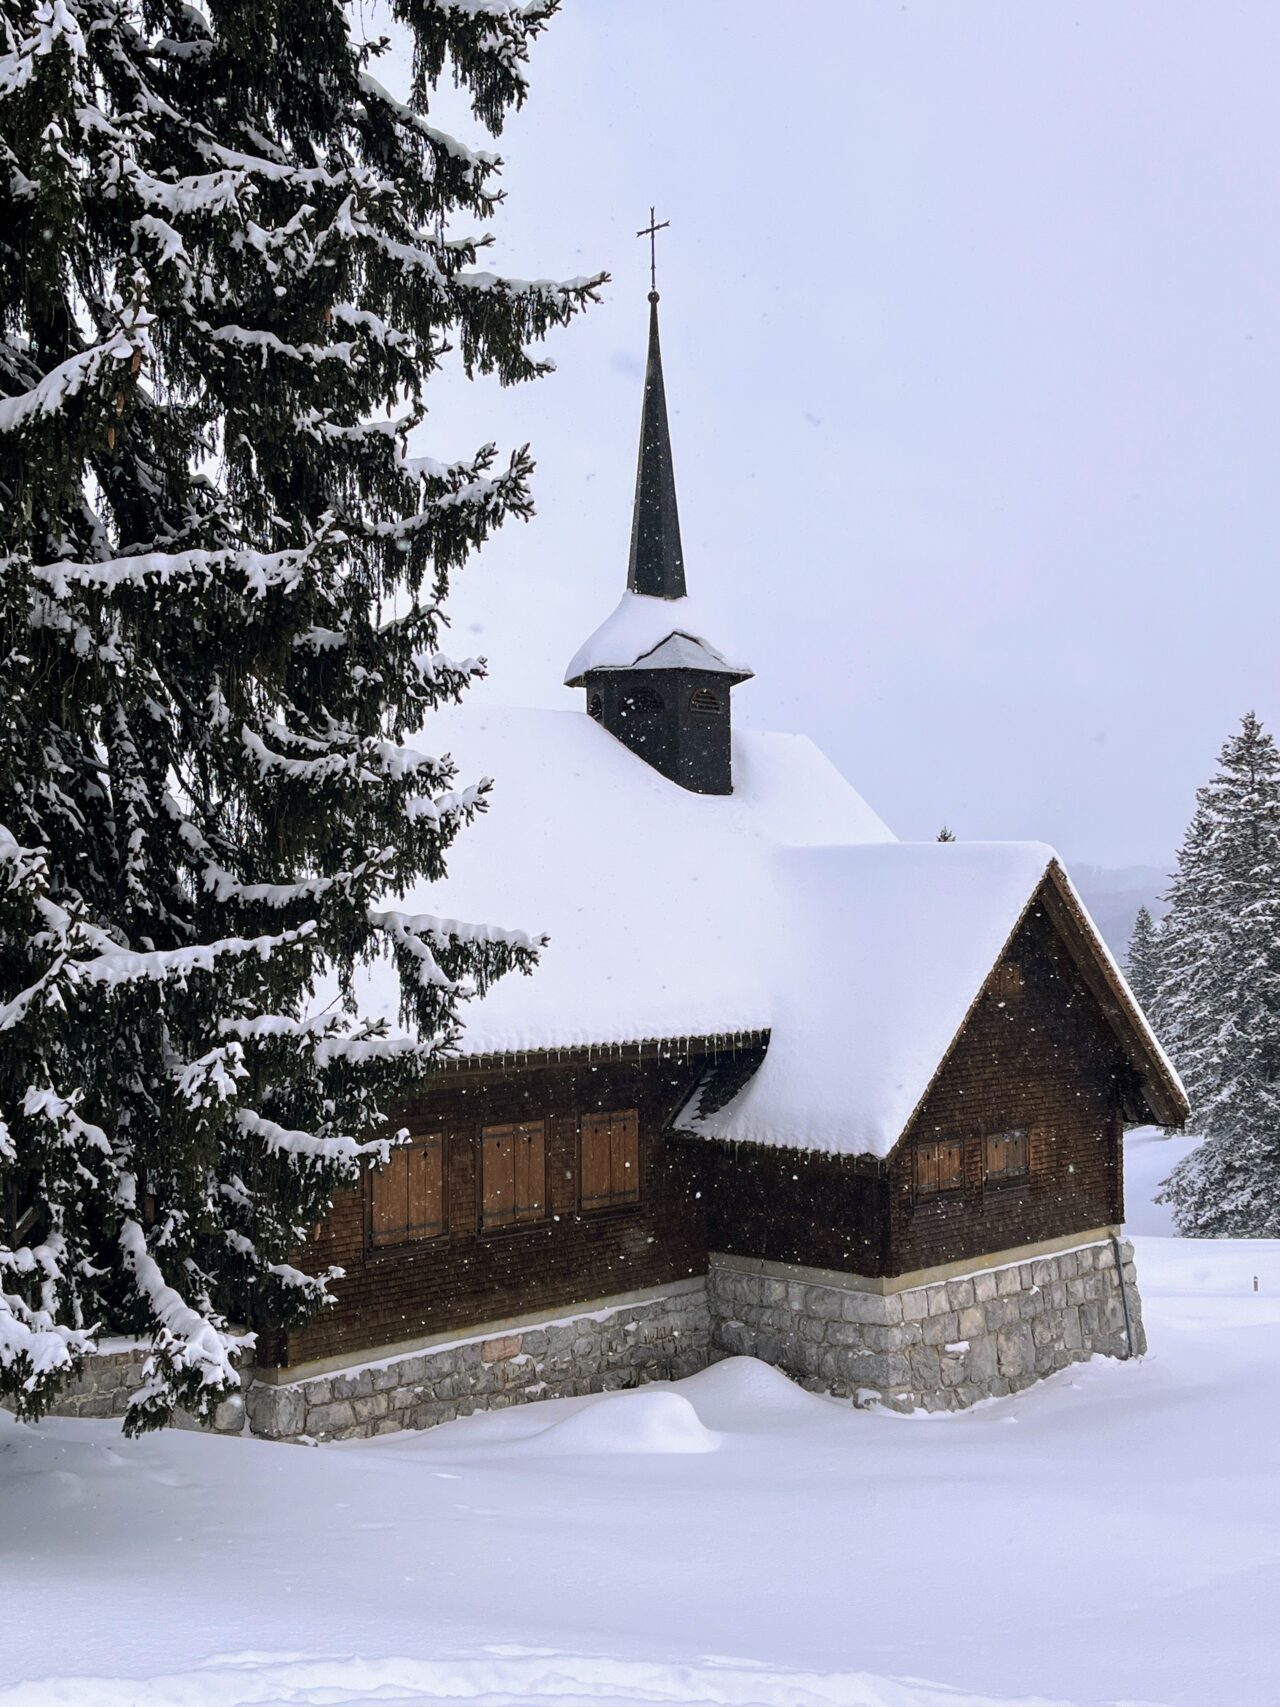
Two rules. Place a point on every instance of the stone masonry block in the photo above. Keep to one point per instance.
(277, 1413)
(872, 1307)
(325, 1419)
(824, 1302)
(915, 1306)
(1015, 1351)
(939, 1330)
(1008, 1281)
(971, 1322)
(980, 1361)
(497, 1350)
(926, 1368)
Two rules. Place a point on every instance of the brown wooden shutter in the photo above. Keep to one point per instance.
(1006, 1154)
(498, 1176)
(594, 1180)
(610, 1159)
(530, 1142)
(926, 1169)
(426, 1188)
(407, 1195)
(950, 1164)
(513, 1165)
(390, 1198)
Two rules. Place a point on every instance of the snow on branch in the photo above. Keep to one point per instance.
(187, 1340)
(445, 933)
(44, 1103)
(33, 1344)
(77, 374)
(54, 23)
(121, 966)
(263, 571)
(420, 935)
(283, 1142)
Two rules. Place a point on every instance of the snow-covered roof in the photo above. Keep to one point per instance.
(785, 907)
(650, 633)
(656, 900)
(880, 951)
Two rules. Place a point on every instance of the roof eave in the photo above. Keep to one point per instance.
(724, 672)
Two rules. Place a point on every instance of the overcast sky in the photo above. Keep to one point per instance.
(970, 328)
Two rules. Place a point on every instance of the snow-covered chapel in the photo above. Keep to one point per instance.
(781, 1085)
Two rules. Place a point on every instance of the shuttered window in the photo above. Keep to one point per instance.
(609, 1169)
(407, 1195)
(939, 1166)
(1005, 1155)
(513, 1168)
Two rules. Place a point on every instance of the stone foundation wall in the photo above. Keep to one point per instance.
(660, 1338)
(110, 1377)
(939, 1346)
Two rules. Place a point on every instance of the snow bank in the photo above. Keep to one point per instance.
(743, 1395)
(1116, 1524)
(498, 1679)
(648, 1420)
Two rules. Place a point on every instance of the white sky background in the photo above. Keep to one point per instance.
(970, 331)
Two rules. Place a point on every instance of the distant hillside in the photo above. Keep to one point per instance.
(1114, 896)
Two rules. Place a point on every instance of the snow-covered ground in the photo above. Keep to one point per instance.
(1111, 1536)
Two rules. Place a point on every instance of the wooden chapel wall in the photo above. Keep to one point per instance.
(469, 1277)
(1044, 1061)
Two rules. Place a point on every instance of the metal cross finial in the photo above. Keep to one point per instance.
(651, 232)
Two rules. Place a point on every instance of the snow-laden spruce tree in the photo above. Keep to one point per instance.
(1217, 996)
(227, 268)
(1141, 958)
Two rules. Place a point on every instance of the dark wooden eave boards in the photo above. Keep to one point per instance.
(674, 1049)
(1165, 1098)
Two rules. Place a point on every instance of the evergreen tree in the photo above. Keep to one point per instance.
(1141, 960)
(226, 273)
(1218, 994)
(946, 835)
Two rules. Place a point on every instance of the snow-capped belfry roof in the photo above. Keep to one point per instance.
(786, 906)
(649, 633)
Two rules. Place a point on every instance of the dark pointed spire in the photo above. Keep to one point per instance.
(657, 562)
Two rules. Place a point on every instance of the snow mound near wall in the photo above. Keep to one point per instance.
(511, 1678)
(648, 1420)
(742, 1395)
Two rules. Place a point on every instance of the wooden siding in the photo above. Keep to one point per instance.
(794, 1206)
(469, 1276)
(1044, 1061)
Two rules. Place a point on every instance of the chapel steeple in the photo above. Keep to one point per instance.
(656, 567)
(652, 678)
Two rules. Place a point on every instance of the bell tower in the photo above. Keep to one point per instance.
(651, 676)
